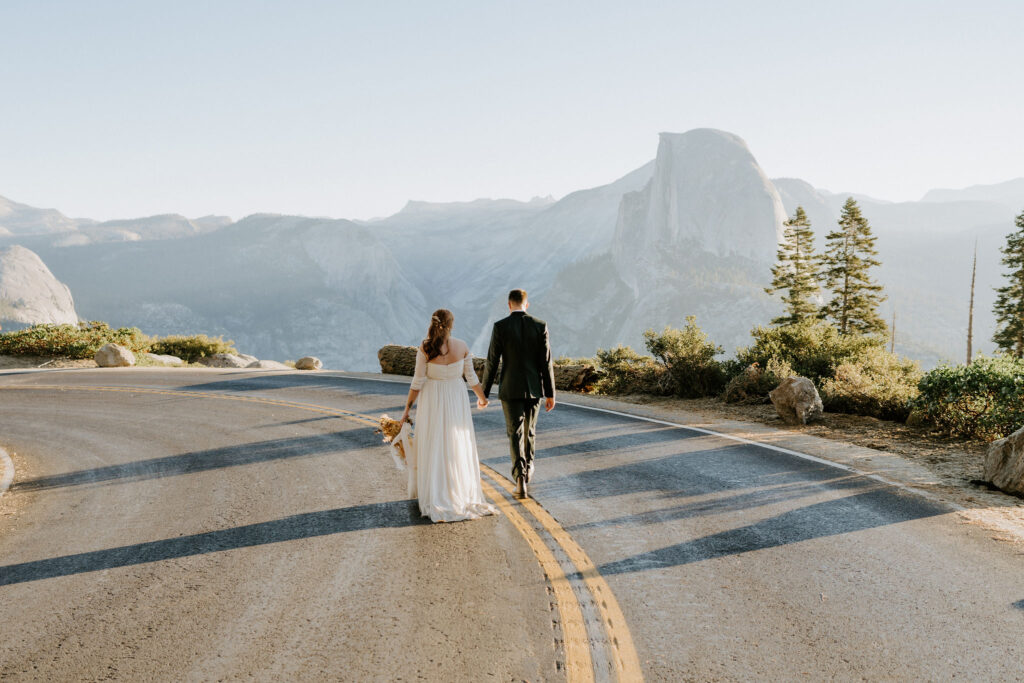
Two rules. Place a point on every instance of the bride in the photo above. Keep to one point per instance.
(448, 467)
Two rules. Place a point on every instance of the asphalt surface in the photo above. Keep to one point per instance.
(185, 536)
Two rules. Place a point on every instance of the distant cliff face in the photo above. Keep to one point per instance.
(29, 293)
(707, 195)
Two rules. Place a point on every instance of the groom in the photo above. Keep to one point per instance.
(520, 343)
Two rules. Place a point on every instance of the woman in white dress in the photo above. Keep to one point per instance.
(447, 463)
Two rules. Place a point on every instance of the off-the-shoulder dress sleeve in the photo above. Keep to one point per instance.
(468, 372)
(419, 377)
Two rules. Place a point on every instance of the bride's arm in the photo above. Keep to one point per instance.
(419, 378)
(472, 380)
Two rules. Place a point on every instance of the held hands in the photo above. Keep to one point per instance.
(482, 403)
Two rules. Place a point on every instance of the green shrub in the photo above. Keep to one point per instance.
(753, 383)
(879, 384)
(566, 360)
(984, 399)
(624, 371)
(192, 348)
(72, 341)
(812, 349)
(689, 357)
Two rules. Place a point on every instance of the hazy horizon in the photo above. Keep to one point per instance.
(315, 109)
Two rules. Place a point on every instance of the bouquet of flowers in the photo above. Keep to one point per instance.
(390, 429)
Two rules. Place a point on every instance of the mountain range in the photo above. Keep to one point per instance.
(694, 231)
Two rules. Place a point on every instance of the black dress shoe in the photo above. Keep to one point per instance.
(520, 487)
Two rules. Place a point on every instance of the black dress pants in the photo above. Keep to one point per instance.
(521, 424)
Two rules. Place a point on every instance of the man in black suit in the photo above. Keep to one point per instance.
(520, 343)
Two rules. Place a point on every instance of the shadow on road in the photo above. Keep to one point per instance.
(201, 461)
(258, 381)
(868, 510)
(393, 514)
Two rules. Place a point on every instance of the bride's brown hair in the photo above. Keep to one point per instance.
(438, 333)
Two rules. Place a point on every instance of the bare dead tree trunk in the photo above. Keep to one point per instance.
(970, 313)
(892, 331)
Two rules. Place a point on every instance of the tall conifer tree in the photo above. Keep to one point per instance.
(796, 271)
(849, 256)
(1009, 306)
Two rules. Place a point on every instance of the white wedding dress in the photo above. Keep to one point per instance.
(446, 467)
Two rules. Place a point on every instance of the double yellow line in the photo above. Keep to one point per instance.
(607, 637)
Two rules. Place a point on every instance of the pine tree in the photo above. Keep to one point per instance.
(796, 271)
(849, 255)
(1009, 306)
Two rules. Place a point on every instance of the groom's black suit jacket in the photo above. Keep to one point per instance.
(520, 343)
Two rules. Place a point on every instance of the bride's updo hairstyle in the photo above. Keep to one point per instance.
(440, 329)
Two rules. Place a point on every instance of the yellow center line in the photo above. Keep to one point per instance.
(627, 663)
(579, 664)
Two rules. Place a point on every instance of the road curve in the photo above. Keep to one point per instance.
(203, 525)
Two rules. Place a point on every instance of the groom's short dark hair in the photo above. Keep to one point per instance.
(517, 296)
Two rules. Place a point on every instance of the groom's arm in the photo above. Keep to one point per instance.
(493, 358)
(548, 373)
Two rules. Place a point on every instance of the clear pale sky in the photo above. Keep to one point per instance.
(348, 109)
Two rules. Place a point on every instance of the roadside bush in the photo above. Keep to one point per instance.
(192, 348)
(72, 341)
(753, 383)
(879, 384)
(624, 371)
(984, 399)
(566, 360)
(689, 357)
(812, 349)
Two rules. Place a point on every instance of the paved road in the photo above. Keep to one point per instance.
(232, 524)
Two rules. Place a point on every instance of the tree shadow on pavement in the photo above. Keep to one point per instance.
(393, 514)
(725, 504)
(868, 510)
(201, 461)
(261, 381)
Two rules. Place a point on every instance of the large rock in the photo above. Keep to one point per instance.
(267, 365)
(30, 294)
(163, 359)
(248, 359)
(1004, 463)
(397, 360)
(575, 377)
(224, 360)
(797, 401)
(114, 356)
(308, 363)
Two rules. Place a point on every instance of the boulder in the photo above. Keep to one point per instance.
(164, 360)
(308, 363)
(1004, 463)
(397, 360)
(114, 356)
(575, 377)
(247, 358)
(223, 360)
(796, 400)
(267, 365)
